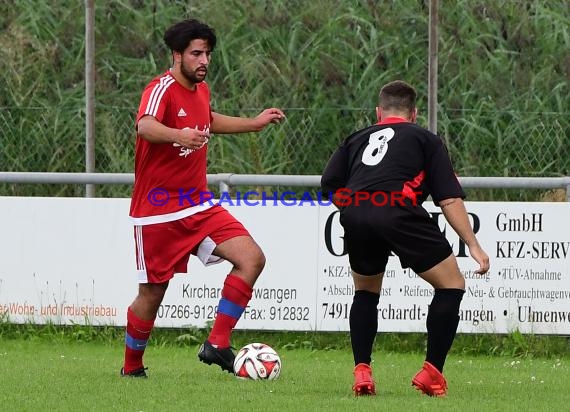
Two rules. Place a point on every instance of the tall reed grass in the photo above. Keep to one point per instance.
(503, 81)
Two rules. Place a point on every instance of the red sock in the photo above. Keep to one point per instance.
(136, 338)
(236, 294)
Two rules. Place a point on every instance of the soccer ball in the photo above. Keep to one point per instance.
(257, 361)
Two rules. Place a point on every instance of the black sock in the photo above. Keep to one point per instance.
(442, 321)
(363, 325)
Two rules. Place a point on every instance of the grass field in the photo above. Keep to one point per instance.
(61, 375)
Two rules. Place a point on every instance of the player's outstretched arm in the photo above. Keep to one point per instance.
(454, 211)
(231, 124)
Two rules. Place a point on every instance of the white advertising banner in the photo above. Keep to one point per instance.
(527, 288)
(71, 260)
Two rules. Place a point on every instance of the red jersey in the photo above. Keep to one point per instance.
(169, 178)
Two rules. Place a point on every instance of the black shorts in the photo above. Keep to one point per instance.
(372, 232)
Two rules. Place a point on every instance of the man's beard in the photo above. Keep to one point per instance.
(191, 76)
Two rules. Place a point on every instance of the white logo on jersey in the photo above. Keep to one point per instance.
(185, 151)
(181, 113)
(377, 146)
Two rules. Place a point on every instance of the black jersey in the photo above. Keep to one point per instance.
(393, 156)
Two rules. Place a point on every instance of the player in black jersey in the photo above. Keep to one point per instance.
(380, 176)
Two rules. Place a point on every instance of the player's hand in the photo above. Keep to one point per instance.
(481, 258)
(267, 116)
(192, 138)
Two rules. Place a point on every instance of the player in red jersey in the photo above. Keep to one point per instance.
(172, 220)
(398, 157)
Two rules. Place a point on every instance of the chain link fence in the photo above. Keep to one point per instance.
(501, 144)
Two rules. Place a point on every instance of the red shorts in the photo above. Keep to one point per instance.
(164, 249)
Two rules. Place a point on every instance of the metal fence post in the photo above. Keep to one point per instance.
(224, 187)
(432, 66)
(224, 182)
(89, 93)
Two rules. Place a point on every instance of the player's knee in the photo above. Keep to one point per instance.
(251, 261)
(259, 261)
(457, 281)
(152, 294)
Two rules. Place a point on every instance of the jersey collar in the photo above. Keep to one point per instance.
(392, 120)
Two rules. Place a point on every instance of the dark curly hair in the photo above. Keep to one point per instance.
(178, 36)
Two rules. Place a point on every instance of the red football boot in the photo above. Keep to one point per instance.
(430, 381)
(363, 382)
